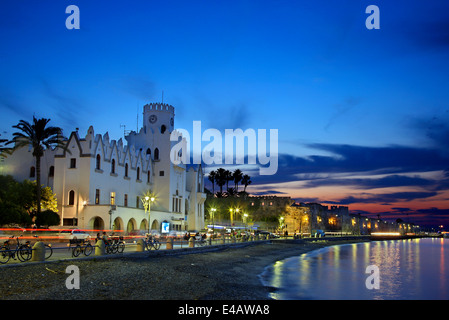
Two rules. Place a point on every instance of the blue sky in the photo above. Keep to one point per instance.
(362, 114)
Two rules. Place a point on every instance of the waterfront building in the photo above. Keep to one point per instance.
(101, 183)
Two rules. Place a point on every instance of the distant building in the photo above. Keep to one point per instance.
(100, 183)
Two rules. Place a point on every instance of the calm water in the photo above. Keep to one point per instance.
(408, 269)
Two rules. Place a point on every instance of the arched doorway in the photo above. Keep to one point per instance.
(144, 225)
(131, 225)
(96, 223)
(155, 225)
(118, 224)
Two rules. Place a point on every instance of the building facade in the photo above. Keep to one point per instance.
(101, 183)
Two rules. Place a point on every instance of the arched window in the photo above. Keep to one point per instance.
(32, 172)
(98, 166)
(148, 151)
(126, 169)
(163, 128)
(138, 173)
(51, 171)
(156, 154)
(113, 166)
(71, 198)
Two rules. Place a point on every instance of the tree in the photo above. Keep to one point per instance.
(40, 137)
(3, 149)
(221, 178)
(246, 180)
(228, 177)
(237, 175)
(211, 178)
(47, 218)
(11, 208)
(18, 201)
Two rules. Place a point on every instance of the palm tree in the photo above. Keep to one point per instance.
(2, 146)
(221, 178)
(237, 175)
(228, 175)
(246, 180)
(40, 137)
(211, 178)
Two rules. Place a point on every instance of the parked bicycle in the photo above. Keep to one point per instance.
(115, 245)
(152, 243)
(23, 252)
(82, 247)
(200, 241)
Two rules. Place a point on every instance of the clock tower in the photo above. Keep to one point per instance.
(158, 117)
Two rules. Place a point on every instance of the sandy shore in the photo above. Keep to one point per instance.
(227, 273)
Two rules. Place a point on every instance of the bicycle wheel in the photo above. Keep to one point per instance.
(4, 254)
(88, 249)
(24, 253)
(156, 244)
(77, 250)
(121, 247)
(48, 251)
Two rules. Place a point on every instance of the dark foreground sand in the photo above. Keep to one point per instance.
(226, 273)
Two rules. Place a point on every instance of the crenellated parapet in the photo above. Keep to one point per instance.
(158, 106)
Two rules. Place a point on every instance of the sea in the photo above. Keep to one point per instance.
(412, 269)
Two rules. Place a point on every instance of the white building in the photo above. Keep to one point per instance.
(100, 183)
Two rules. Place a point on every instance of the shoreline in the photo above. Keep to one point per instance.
(224, 273)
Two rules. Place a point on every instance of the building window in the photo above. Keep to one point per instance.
(112, 202)
(32, 172)
(73, 163)
(163, 128)
(51, 171)
(161, 173)
(137, 201)
(126, 169)
(138, 173)
(156, 154)
(148, 176)
(113, 166)
(71, 198)
(149, 151)
(98, 165)
(97, 196)
(125, 201)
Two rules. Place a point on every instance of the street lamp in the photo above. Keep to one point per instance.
(213, 223)
(147, 206)
(245, 220)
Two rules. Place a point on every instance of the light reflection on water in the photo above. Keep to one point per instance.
(409, 269)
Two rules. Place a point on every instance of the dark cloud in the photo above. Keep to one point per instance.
(385, 182)
(342, 109)
(67, 110)
(267, 192)
(350, 159)
(142, 88)
(385, 198)
(429, 217)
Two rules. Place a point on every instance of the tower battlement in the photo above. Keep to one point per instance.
(158, 106)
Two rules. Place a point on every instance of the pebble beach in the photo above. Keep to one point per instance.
(217, 273)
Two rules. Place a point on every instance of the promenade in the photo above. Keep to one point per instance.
(216, 272)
